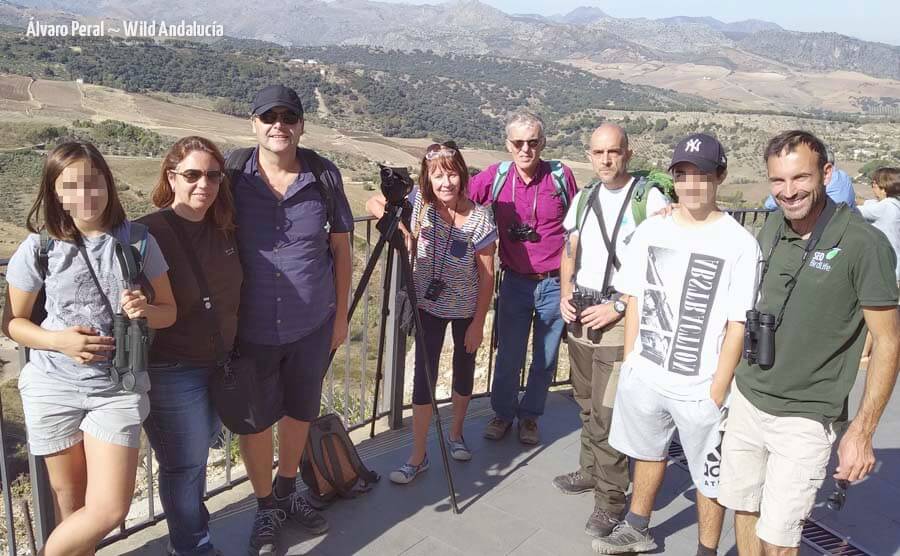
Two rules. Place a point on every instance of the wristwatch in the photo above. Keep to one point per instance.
(619, 306)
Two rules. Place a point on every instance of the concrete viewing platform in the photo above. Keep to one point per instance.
(509, 506)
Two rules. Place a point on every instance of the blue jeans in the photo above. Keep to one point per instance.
(523, 302)
(181, 426)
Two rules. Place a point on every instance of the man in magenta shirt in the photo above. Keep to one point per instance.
(529, 210)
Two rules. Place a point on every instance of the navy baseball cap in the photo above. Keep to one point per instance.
(703, 151)
(276, 95)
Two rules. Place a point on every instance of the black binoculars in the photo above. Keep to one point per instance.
(132, 338)
(759, 338)
(581, 300)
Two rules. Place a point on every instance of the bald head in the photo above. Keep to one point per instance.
(611, 133)
(609, 155)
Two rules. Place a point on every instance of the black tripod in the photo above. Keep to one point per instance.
(388, 226)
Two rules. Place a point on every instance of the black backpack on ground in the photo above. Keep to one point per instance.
(331, 466)
(238, 158)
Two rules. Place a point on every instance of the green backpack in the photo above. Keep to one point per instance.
(556, 170)
(646, 180)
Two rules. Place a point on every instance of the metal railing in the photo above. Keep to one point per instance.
(348, 391)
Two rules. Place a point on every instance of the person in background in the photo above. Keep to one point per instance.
(883, 212)
(192, 188)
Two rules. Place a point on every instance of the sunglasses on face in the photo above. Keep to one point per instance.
(520, 143)
(269, 117)
(193, 176)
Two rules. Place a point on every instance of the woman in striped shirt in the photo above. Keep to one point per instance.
(453, 240)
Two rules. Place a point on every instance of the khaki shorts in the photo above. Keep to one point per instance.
(774, 466)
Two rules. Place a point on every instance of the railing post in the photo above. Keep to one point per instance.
(41, 500)
(394, 354)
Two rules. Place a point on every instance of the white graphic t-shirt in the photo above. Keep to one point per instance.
(594, 252)
(689, 282)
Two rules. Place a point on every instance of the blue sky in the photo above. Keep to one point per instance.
(875, 20)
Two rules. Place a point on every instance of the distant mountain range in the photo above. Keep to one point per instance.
(472, 27)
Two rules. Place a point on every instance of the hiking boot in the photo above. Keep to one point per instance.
(458, 450)
(408, 472)
(574, 483)
(265, 526)
(624, 539)
(497, 428)
(601, 523)
(528, 432)
(300, 512)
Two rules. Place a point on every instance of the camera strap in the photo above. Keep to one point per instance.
(435, 242)
(205, 297)
(90, 267)
(811, 244)
(612, 259)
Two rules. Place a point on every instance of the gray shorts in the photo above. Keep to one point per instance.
(57, 413)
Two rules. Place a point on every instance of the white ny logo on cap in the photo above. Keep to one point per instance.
(693, 146)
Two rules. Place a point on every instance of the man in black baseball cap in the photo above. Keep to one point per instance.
(275, 96)
(294, 225)
(688, 279)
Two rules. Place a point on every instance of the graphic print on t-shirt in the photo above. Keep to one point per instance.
(683, 284)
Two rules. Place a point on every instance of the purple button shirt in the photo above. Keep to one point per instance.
(547, 219)
(288, 288)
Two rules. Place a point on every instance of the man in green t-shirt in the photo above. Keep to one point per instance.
(828, 278)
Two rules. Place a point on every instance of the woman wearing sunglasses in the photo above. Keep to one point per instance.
(453, 244)
(196, 221)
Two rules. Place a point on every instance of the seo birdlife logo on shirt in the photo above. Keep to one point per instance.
(820, 260)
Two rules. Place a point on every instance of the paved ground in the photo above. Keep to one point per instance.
(510, 507)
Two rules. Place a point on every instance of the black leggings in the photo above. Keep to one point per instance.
(433, 329)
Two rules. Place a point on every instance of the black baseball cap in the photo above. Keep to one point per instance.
(703, 151)
(276, 95)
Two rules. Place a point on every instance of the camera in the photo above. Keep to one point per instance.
(523, 232)
(435, 289)
(759, 338)
(581, 300)
(395, 184)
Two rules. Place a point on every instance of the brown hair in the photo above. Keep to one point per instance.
(788, 141)
(222, 210)
(888, 179)
(454, 163)
(47, 211)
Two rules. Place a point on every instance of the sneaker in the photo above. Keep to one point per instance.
(265, 525)
(408, 472)
(624, 539)
(211, 551)
(528, 432)
(458, 450)
(601, 523)
(497, 428)
(300, 512)
(575, 482)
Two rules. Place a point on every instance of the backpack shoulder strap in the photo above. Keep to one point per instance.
(500, 179)
(324, 183)
(639, 199)
(134, 257)
(235, 162)
(585, 200)
(43, 256)
(557, 171)
(137, 237)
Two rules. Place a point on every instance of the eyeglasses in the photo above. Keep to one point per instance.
(520, 143)
(269, 117)
(441, 150)
(193, 176)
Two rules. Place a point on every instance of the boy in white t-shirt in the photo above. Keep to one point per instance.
(689, 278)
